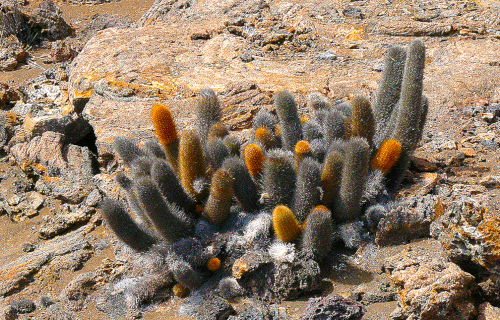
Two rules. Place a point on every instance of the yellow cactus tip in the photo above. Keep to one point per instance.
(254, 159)
(285, 224)
(213, 264)
(303, 120)
(277, 130)
(302, 147)
(180, 291)
(164, 124)
(387, 155)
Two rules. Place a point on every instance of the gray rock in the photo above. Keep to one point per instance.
(407, 221)
(353, 234)
(215, 308)
(260, 277)
(33, 26)
(258, 310)
(68, 218)
(431, 288)
(333, 307)
(12, 53)
(469, 234)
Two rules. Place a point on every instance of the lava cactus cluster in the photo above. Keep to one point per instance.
(290, 185)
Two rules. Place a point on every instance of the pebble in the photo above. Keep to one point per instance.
(468, 152)
(326, 56)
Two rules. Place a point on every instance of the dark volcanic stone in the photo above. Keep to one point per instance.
(333, 307)
(215, 308)
(23, 306)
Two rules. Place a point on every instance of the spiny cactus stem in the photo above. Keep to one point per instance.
(285, 224)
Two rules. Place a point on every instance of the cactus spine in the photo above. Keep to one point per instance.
(218, 205)
(387, 155)
(124, 227)
(317, 236)
(279, 179)
(285, 225)
(302, 150)
(362, 122)
(354, 174)
(307, 192)
(208, 112)
(290, 125)
(254, 159)
(166, 132)
(244, 188)
(191, 163)
(331, 176)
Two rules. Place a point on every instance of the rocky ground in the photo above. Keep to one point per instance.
(76, 74)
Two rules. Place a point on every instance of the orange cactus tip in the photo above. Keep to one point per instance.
(387, 155)
(321, 208)
(303, 120)
(302, 147)
(180, 291)
(261, 133)
(254, 159)
(164, 124)
(213, 264)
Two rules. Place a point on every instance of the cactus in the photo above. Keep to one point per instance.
(180, 291)
(218, 205)
(165, 179)
(285, 225)
(409, 114)
(307, 192)
(334, 127)
(312, 131)
(265, 138)
(387, 155)
(317, 237)
(302, 150)
(189, 215)
(166, 132)
(389, 90)
(278, 179)
(124, 227)
(354, 172)
(316, 101)
(254, 159)
(233, 145)
(165, 220)
(362, 122)
(290, 125)
(244, 188)
(127, 150)
(191, 163)
(264, 119)
(208, 112)
(216, 152)
(217, 131)
(331, 175)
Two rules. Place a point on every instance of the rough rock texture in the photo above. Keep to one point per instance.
(258, 310)
(286, 280)
(408, 221)
(488, 312)
(7, 96)
(333, 307)
(431, 288)
(65, 253)
(12, 53)
(33, 26)
(470, 235)
(65, 170)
